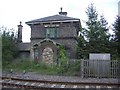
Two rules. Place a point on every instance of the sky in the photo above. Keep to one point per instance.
(14, 11)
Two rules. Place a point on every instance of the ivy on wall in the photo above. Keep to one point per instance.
(62, 56)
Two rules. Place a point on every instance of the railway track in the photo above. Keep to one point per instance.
(53, 85)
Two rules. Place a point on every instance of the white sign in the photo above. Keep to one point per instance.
(95, 56)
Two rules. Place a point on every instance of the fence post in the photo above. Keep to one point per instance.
(82, 68)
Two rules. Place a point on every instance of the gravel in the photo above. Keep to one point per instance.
(36, 76)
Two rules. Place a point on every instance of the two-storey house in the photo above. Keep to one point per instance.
(48, 33)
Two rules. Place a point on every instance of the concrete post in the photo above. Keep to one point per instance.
(119, 8)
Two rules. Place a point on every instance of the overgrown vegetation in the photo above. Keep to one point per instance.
(62, 59)
(21, 65)
(9, 45)
(26, 65)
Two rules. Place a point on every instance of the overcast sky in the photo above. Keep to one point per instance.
(14, 11)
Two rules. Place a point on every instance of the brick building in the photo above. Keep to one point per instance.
(47, 34)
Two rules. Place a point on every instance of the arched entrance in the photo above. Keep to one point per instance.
(47, 51)
(47, 55)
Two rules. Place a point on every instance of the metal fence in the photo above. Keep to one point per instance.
(100, 68)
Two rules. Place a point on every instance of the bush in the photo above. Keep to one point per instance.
(9, 46)
(27, 65)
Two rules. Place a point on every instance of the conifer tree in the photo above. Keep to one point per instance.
(116, 38)
(97, 32)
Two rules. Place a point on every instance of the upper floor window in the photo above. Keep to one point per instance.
(52, 32)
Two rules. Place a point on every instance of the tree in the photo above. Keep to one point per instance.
(81, 48)
(92, 28)
(96, 32)
(104, 36)
(94, 38)
(116, 38)
(9, 45)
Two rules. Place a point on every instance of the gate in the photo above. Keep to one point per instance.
(100, 69)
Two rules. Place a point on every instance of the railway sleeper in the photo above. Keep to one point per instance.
(23, 84)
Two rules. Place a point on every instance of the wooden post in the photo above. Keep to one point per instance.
(82, 68)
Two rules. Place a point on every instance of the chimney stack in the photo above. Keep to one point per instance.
(20, 32)
(62, 13)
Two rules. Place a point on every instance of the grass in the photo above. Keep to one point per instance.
(30, 66)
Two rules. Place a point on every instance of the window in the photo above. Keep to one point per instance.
(51, 32)
(36, 54)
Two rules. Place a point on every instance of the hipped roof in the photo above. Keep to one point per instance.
(54, 18)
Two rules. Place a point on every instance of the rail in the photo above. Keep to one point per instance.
(30, 83)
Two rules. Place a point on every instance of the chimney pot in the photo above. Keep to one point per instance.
(62, 13)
